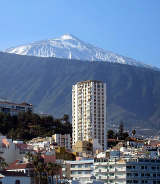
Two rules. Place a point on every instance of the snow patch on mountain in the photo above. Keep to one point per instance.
(70, 47)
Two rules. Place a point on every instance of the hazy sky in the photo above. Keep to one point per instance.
(128, 27)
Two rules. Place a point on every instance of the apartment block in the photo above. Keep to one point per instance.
(63, 140)
(122, 171)
(79, 170)
(89, 112)
(14, 108)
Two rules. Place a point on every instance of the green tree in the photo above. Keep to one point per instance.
(120, 132)
(111, 134)
(54, 170)
(3, 164)
(65, 118)
(134, 132)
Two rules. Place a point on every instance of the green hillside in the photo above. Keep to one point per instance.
(133, 94)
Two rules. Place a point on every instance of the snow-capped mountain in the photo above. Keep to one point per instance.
(70, 47)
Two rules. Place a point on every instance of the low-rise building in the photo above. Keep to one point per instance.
(83, 147)
(7, 177)
(63, 140)
(12, 150)
(20, 166)
(79, 170)
(14, 108)
(40, 143)
(122, 170)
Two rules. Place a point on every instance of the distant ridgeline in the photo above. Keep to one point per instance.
(133, 93)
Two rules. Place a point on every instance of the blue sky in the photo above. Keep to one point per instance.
(128, 27)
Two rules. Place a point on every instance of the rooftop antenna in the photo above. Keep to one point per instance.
(92, 59)
(70, 55)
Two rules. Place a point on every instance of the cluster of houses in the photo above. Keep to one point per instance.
(86, 156)
(19, 169)
(127, 162)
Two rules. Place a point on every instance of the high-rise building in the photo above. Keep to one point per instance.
(89, 112)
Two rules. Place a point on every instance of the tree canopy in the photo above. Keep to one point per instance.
(27, 125)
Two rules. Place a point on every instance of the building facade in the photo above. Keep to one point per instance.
(13, 108)
(89, 112)
(11, 151)
(140, 170)
(63, 140)
(7, 177)
(78, 170)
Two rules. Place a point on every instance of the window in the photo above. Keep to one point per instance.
(129, 174)
(17, 182)
(142, 174)
(135, 181)
(135, 174)
(145, 167)
(147, 174)
(142, 167)
(129, 181)
(153, 168)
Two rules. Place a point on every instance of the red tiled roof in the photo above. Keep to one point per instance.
(12, 103)
(154, 143)
(13, 173)
(49, 158)
(17, 165)
(25, 104)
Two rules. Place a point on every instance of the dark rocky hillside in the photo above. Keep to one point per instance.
(133, 94)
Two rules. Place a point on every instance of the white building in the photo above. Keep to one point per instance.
(89, 112)
(122, 171)
(80, 169)
(7, 177)
(20, 166)
(63, 140)
(11, 150)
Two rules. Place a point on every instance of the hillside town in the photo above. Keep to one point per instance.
(91, 153)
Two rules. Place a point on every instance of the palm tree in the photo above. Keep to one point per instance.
(3, 164)
(47, 170)
(29, 156)
(53, 170)
(133, 132)
(57, 170)
(40, 170)
(36, 166)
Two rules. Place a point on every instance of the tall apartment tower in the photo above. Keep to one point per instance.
(89, 112)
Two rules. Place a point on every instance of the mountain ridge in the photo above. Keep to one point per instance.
(132, 92)
(71, 47)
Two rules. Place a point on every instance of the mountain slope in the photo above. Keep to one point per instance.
(70, 47)
(132, 92)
